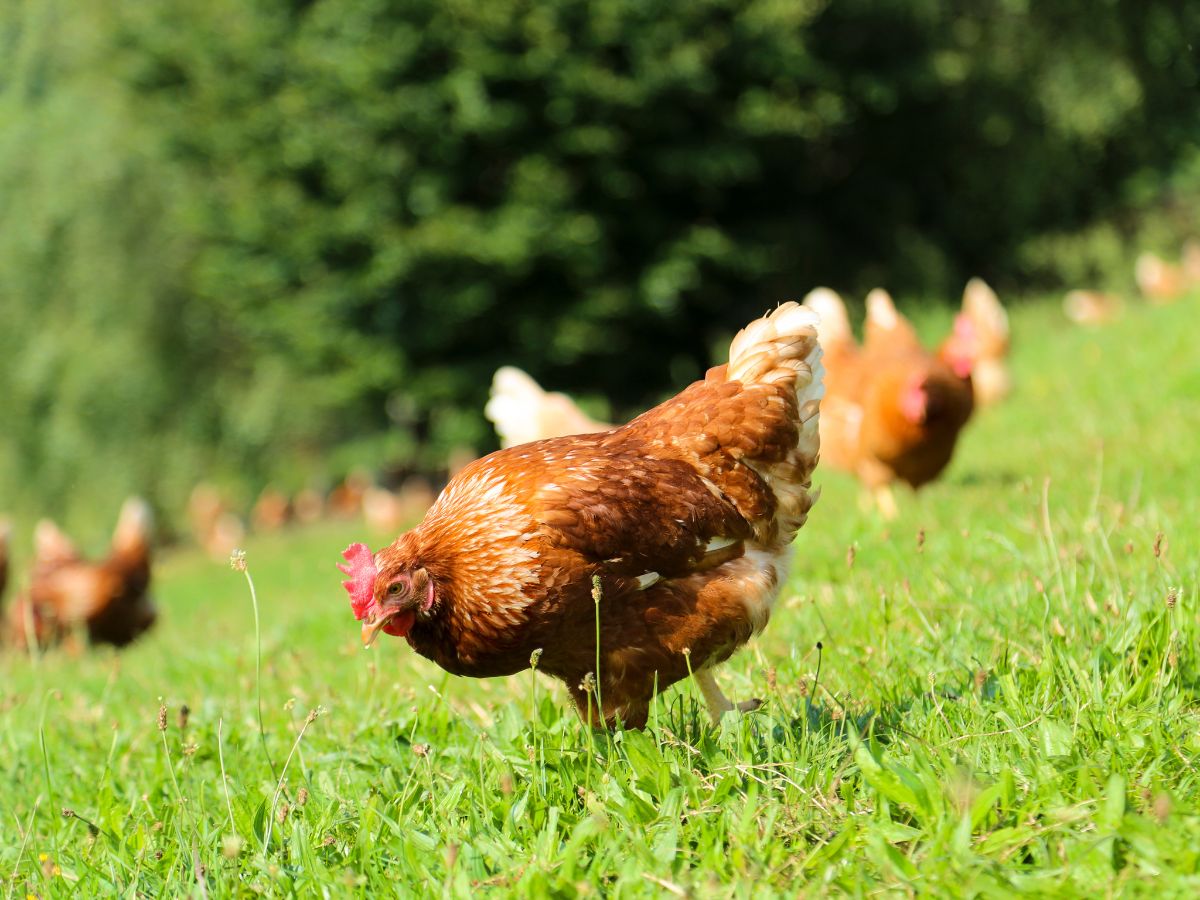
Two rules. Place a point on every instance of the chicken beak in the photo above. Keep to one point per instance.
(371, 629)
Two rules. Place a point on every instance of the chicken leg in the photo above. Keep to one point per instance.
(885, 499)
(718, 704)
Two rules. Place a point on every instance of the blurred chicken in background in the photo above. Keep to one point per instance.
(308, 506)
(523, 412)
(892, 410)
(346, 500)
(1162, 282)
(1091, 307)
(109, 600)
(389, 511)
(214, 526)
(272, 510)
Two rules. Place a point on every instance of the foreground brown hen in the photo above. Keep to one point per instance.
(685, 515)
(108, 600)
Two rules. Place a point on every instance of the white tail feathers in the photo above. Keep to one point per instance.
(834, 325)
(885, 328)
(983, 307)
(881, 309)
(134, 526)
(782, 344)
(523, 412)
(779, 348)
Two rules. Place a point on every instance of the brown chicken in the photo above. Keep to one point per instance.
(214, 526)
(272, 510)
(1159, 281)
(893, 410)
(684, 517)
(109, 600)
(1091, 307)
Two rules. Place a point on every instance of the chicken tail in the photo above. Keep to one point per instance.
(833, 327)
(885, 327)
(981, 305)
(135, 525)
(523, 412)
(782, 348)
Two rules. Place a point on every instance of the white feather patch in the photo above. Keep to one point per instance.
(645, 581)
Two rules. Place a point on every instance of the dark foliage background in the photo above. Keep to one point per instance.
(266, 240)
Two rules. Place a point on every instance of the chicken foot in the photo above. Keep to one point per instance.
(718, 704)
(885, 499)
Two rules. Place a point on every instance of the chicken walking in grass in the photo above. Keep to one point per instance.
(108, 600)
(893, 410)
(685, 516)
(1161, 282)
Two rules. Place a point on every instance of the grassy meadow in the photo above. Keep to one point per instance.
(1005, 700)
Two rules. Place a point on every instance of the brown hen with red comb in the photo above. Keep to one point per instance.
(685, 517)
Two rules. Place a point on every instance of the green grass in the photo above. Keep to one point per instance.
(1006, 703)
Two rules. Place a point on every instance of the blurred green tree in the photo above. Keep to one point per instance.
(305, 233)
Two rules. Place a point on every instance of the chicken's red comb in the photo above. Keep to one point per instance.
(362, 572)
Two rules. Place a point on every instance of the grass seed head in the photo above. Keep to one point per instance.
(237, 560)
(1172, 598)
(1161, 807)
(302, 797)
(851, 552)
(1159, 546)
(535, 657)
(162, 717)
(282, 814)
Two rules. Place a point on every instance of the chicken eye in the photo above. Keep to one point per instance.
(396, 588)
